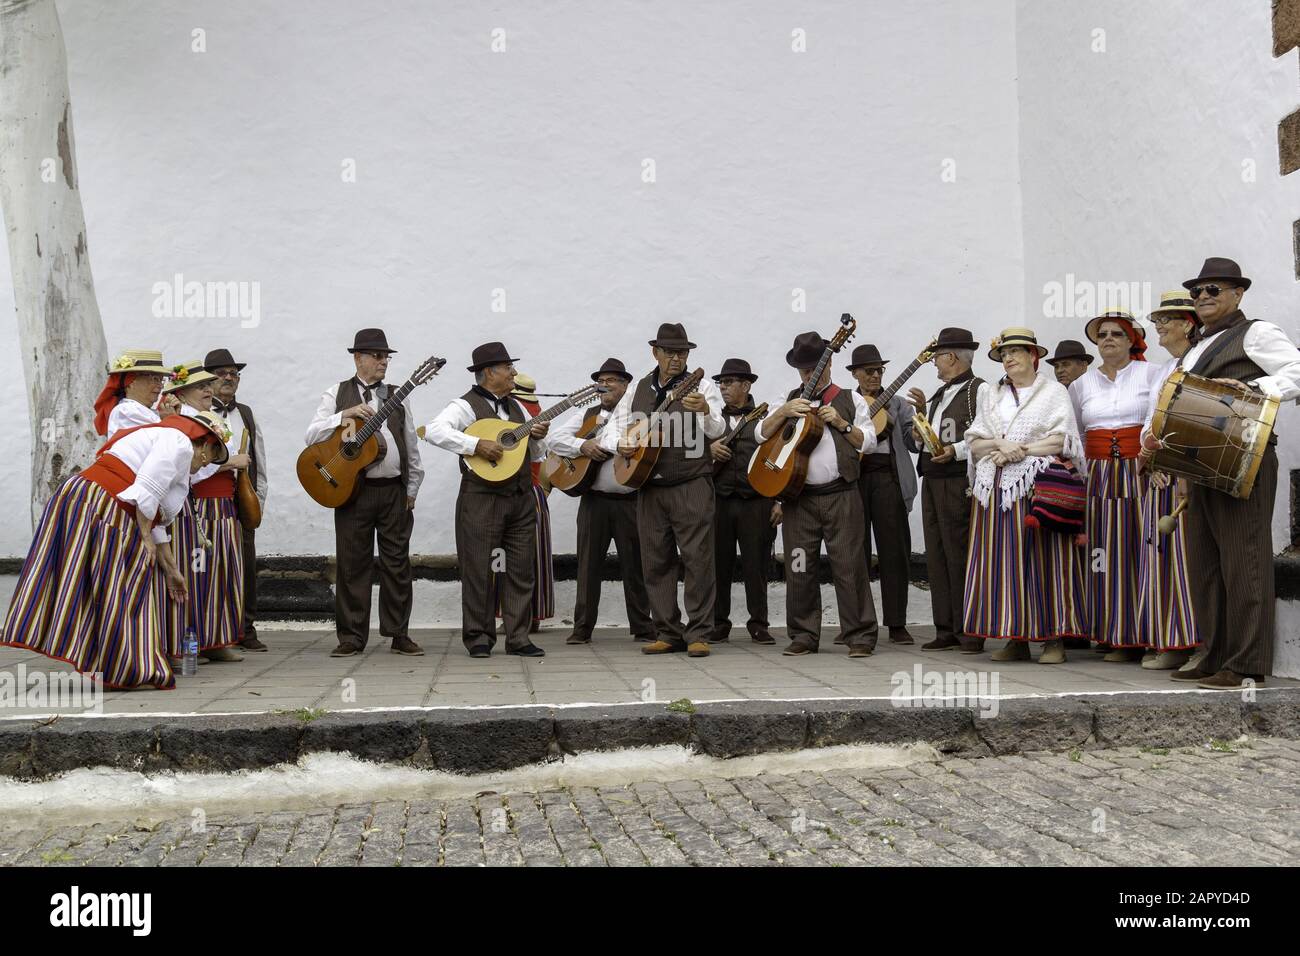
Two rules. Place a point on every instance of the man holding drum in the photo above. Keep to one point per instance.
(1229, 539)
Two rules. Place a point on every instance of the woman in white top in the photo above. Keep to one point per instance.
(135, 380)
(90, 591)
(1022, 583)
(1110, 404)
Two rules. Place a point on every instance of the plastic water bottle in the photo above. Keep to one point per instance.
(190, 654)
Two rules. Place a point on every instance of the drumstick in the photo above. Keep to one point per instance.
(1168, 523)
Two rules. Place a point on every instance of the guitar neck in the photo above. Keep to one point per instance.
(810, 387)
(558, 409)
(883, 398)
(673, 394)
(376, 421)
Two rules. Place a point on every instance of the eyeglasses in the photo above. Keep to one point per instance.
(1111, 335)
(873, 372)
(1213, 291)
(675, 353)
(227, 373)
(1164, 320)
(377, 356)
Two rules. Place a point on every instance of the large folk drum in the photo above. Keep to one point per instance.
(1213, 434)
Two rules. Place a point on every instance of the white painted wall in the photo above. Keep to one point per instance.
(522, 170)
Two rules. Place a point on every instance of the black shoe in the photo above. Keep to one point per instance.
(345, 650)
(799, 649)
(762, 636)
(942, 644)
(528, 650)
(899, 635)
(253, 644)
(404, 645)
(577, 639)
(720, 635)
(481, 650)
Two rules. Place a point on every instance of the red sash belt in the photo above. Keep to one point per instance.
(111, 474)
(1102, 443)
(220, 485)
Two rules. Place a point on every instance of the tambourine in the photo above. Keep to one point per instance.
(929, 437)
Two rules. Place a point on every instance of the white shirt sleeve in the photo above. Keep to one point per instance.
(326, 419)
(414, 467)
(712, 424)
(447, 429)
(617, 423)
(564, 435)
(862, 420)
(165, 467)
(259, 447)
(1268, 347)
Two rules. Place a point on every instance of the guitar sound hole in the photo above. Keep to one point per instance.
(349, 450)
(507, 441)
(788, 433)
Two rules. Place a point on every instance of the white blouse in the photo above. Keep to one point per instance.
(1100, 403)
(127, 414)
(160, 458)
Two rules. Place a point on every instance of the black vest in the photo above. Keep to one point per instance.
(1225, 357)
(731, 478)
(957, 417)
(522, 479)
(685, 452)
(254, 465)
(349, 395)
(848, 457)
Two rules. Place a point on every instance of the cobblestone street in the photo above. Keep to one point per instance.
(1222, 804)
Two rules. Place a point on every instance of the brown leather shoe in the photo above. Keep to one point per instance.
(697, 649)
(860, 650)
(1229, 680)
(762, 636)
(662, 647)
(941, 644)
(404, 645)
(345, 650)
(252, 644)
(1193, 676)
(577, 639)
(799, 649)
(973, 645)
(899, 635)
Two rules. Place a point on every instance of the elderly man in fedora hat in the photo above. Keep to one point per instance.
(493, 519)
(945, 502)
(239, 418)
(607, 512)
(829, 508)
(741, 516)
(888, 488)
(1230, 540)
(1070, 361)
(382, 508)
(674, 508)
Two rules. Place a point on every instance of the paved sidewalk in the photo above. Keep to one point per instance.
(1235, 805)
(297, 672)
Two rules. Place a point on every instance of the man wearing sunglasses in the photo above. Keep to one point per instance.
(1230, 540)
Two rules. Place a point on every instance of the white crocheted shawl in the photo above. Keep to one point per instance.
(1045, 409)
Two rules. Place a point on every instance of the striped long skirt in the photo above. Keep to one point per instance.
(1115, 493)
(1165, 613)
(1021, 583)
(215, 575)
(87, 595)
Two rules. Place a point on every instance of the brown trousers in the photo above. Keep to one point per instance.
(743, 522)
(250, 585)
(945, 516)
(669, 519)
(1230, 557)
(603, 518)
(836, 518)
(379, 510)
(885, 513)
(496, 535)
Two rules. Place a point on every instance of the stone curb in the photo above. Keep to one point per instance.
(471, 741)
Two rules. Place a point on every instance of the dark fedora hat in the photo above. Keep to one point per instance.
(955, 338)
(864, 355)
(221, 358)
(612, 366)
(807, 351)
(1225, 270)
(672, 335)
(1070, 349)
(489, 353)
(736, 368)
(370, 340)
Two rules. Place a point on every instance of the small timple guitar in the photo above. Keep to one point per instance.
(635, 470)
(513, 438)
(729, 439)
(329, 469)
(573, 476)
(779, 466)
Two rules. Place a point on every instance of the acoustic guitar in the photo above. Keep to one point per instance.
(513, 438)
(573, 476)
(247, 505)
(729, 439)
(633, 471)
(329, 470)
(779, 466)
(879, 406)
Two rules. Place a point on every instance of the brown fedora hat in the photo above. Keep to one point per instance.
(489, 353)
(672, 335)
(736, 368)
(1070, 349)
(612, 366)
(864, 355)
(952, 339)
(1225, 270)
(370, 340)
(807, 351)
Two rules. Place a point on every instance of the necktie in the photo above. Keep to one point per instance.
(222, 410)
(366, 390)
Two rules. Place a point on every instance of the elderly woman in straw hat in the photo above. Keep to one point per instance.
(1110, 403)
(92, 591)
(1165, 610)
(209, 538)
(1023, 582)
(135, 379)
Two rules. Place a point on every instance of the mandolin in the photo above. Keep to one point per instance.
(729, 439)
(513, 438)
(329, 470)
(634, 470)
(879, 406)
(779, 466)
(247, 505)
(573, 476)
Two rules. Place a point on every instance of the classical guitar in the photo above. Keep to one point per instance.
(329, 469)
(247, 505)
(779, 466)
(879, 406)
(573, 476)
(513, 438)
(634, 470)
(729, 439)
